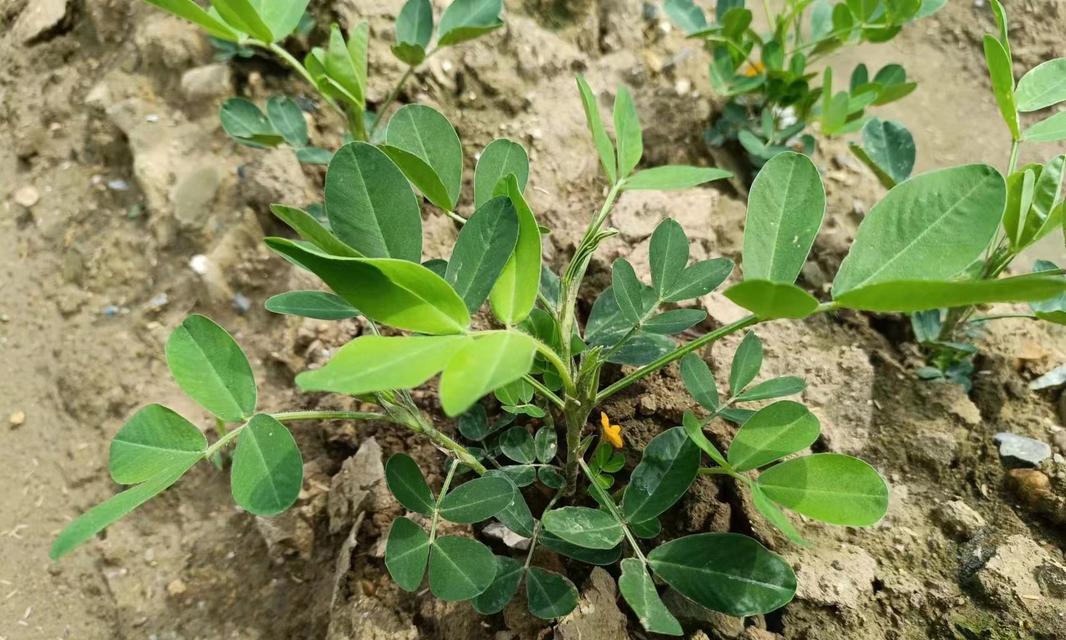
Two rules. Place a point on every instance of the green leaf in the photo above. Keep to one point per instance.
(930, 227)
(195, 13)
(597, 557)
(667, 467)
(672, 178)
(267, 471)
(888, 149)
(1051, 129)
(551, 477)
(477, 500)
(775, 516)
(516, 516)
(515, 293)
(311, 230)
(282, 17)
(785, 210)
(468, 19)
(700, 382)
(674, 321)
(604, 147)
(489, 362)
(502, 157)
(929, 7)
(908, 296)
(211, 368)
(421, 175)
(694, 430)
(1043, 86)
(410, 54)
(414, 24)
(725, 572)
(667, 254)
(997, 58)
(246, 124)
(504, 586)
(638, 590)
(242, 15)
(772, 300)
(345, 64)
(627, 132)
(546, 444)
(774, 432)
(773, 388)
(102, 515)
(460, 568)
(548, 594)
(153, 440)
(397, 293)
(406, 482)
(747, 361)
(628, 290)
(699, 279)
(1046, 192)
(427, 135)
(830, 487)
(378, 363)
(686, 15)
(286, 117)
(370, 204)
(518, 445)
(583, 526)
(320, 305)
(406, 553)
(485, 244)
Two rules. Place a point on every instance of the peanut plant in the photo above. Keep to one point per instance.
(337, 71)
(766, 79)
(523, 379)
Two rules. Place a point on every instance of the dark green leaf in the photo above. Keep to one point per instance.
(699, 279)
(775, 431)
(516, 516)
(414, 24)
(694, 431)
(773, 388)
(583, 526)
(311, 230)
(747, 361)
(598, 557)
(604, 147)
(477, 500)
(628, 290)
(485, 244)
(246, 124)
(504, 586)
(406, 553)
(891, 148)
(460, 568)
(499, 159)
(700, 382)
(638, 590)
(468, 19)
(830, 487)
(667, 255)
(320, 305)
(210, 366)
(427, 135)
(674, 321)
(406, 482)
(152, 441)
(546, 443)
(267, 471)
(686, 15)
(518, 445)
(772, 300)
(668, 466)
(548, 594)
(288, 120)
(551, 477)
(647, 529)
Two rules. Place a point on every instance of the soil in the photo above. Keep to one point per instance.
(115, 175)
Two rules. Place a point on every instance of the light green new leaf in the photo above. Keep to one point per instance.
(488, 363)
(102, 515)
(830, 487)
(997, 58)
(667, 467)
(311, 230)
(509, 573)
(674, 321)
(726, 572)
(627, 132)
(245, 123)
(930, 227)
(345, 63)
(908, 296)
(694, 430)
(378, 363)
(1046, 192)
(628, 290)
(775, 516)
(888, 149)
(548, 594)
(282, 16)
(211, 368)
(153, 440)
(193, 12)
(406, 553)
(515, 292)
(584, 526)
(1051, 309)
(747, 361)
(700, 382)
(638, 590)
(1051, 129)
(699, 279)
(485, 244)
(406, 482)
(320, 305)
(414, 24)
(1044, 85)
(243, 16)
(268, 470)
(427, 135)
(1020, 187)
(502, 157)
(773, 388)
(398, 293)
(468, 19)
(785, 210)
(667, 255)
(370, 204)
(604, 147)
(477, 500)
(775, 431)
(673, 178)
(460, 568)
(772, 300)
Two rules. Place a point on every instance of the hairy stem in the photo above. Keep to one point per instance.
(291, 416)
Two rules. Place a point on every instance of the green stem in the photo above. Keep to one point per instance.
(280, 52)
(1004, 316)
(677, 354)
(1015, 147)
(455, 216)
(537, 529)
(613, 508)
(291, 416)
(391, 98)
(440, 497)
(549, 354)
(544, 391)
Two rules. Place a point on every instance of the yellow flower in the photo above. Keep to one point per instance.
(612, 433)
(754, 69)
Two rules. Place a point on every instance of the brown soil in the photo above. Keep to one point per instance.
(134, 178)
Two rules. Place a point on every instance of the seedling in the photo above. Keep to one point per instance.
(337, 71)
(524, 383)
(766, 80)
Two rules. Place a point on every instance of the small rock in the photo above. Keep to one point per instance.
(1020, 451)
(349, 488)
(597, 616)
(1011, 575)
(176, 587)
(1031, 486)
(958, 519)
(1060, 440)
(38, 19)
(241, 303)
(207, 82)
(506, 536)
(27, 196)
(835, 577)
(17, 419)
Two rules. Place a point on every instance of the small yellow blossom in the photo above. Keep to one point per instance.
(754, 69)
(612, 433)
